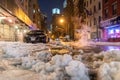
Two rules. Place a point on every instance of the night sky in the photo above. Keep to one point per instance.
(46, 6)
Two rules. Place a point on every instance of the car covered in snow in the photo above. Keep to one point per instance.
(35, 36)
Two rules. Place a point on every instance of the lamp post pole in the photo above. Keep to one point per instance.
(97, 30)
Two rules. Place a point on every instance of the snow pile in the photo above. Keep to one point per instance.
(113, 55)
(109, 71)
(18, 75)
(103, 57)
(77, 57)
(44, 56)
(61, 67)
(1, 51)
(27, 62)
(38, 66)
(77, 71)
(110, 67)
(38, 59)
(18, 49)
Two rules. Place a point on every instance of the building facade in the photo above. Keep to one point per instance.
(13, 21)
(24, 5)
(34, 13)
(93, 9)
(56, 28)
(111, 20)
(44, 23)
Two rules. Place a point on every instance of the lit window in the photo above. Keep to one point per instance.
(38, 10)
(117, 30)
(111, 31)
(33, 11)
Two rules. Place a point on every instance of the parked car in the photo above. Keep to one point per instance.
(35, 36)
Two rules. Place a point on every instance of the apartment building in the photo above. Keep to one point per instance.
(94, 16)
(34, 13)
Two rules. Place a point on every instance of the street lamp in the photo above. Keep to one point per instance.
(62, 20)
(63, 24)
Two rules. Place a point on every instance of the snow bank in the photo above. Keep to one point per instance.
(19, 75)
(44, 56)
(110, 67)
(109, 71)
(60, 67)
(18, 49)
(112, 55)
(1, 51)
(38, 66)
(77, 70)
(27, 62)
(36, 57)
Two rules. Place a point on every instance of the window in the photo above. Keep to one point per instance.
(90, 24)
(33, 16)
(33, 10)
(94, 8)
(106, 13)
(21, 1)
(105, 1)
(111, 31)
(84, 4)
(94, 21)
(90, 1)
(91, 11)
(114, 8)
(87, 3)
(99, 6)
(34, 6)
(99, 19)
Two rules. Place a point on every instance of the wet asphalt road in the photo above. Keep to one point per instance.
(98, 49)
(105, 48)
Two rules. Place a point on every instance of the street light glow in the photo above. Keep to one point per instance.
(61, 20)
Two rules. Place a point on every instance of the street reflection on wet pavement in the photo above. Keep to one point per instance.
(98, 49)
(106, 48)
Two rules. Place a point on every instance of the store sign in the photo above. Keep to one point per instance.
(110, 22)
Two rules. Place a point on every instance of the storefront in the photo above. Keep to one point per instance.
(11, 28)
(14, 22)
(111, 29)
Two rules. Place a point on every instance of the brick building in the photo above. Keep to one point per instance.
(94, 16)
(111, 20)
